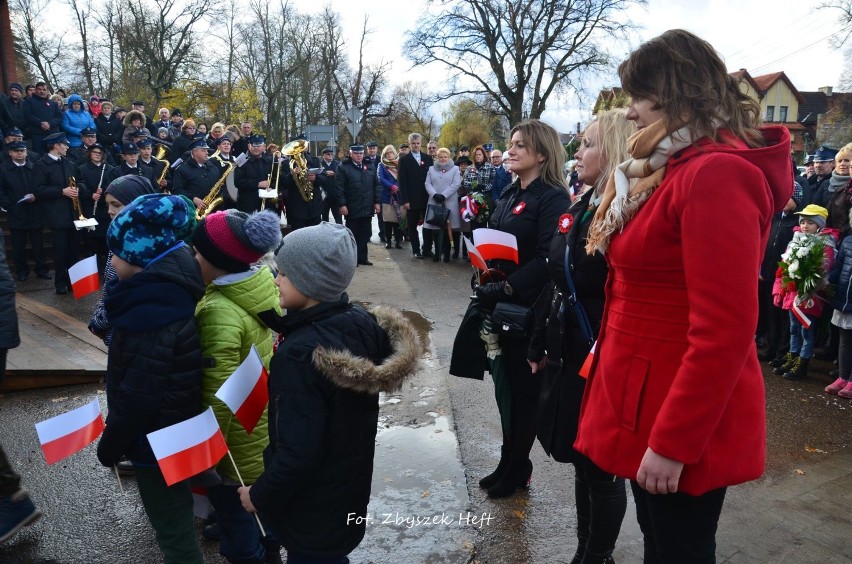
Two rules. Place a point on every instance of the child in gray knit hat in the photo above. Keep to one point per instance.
(324, 384)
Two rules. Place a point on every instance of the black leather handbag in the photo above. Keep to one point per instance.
(436, 215)
(512, 320)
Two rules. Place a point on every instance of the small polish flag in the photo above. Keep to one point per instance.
(586, 369)
(245, 393)
(475, 258)
(496, 244)
(189, 447)
(84, 277)
(71, 432)
(800, 315)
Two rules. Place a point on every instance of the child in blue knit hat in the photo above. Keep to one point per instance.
(155, 356)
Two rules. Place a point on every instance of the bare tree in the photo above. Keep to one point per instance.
(160, 35)
(516, 52)
(41, 49)
(842, 11)
(82, 11)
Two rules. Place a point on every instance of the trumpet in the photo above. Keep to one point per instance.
(82, 222)
(272, 180)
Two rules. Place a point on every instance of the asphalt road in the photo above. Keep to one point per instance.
(437, 437)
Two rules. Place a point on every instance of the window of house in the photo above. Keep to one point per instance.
(782, 114)
(770, 113)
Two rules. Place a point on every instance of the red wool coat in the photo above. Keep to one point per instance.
(676, 367)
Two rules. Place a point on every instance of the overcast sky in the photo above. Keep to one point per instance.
(761, 36)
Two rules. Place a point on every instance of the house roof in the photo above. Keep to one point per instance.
(743, 74)
(815, 103)
(766, 81)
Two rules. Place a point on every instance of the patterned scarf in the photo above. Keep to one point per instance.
(650, 149)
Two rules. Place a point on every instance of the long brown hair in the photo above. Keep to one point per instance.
(543, 139)
(688, 81)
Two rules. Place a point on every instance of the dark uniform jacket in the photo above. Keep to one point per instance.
(80, 155)
(37, 110)
(246, 178)
(412, 180)
(193, 180)
(92, 178)
(157, 168)
(50, 178)
(297, 207)
(139, 170)
(357, 188)
(15, 183)
(155, 358)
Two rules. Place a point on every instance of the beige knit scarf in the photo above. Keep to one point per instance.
(650, 149)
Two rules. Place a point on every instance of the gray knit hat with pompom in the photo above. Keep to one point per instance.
(232, 240)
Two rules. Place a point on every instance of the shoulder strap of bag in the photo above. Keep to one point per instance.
(574, 303)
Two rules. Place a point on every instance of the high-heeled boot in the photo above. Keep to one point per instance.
(493, 477)
(516, 476)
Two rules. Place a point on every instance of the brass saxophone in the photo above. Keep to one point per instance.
(160, 156)
(213, 198)
(295, 150)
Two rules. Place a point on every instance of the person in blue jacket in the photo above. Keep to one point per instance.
(75, 119)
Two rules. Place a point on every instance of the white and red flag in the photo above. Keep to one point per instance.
(84, 277)
(71, 432)
(586, 369)
(475, 258)
(189, 447)
(245, 392)
(800, 315)
(496, 244)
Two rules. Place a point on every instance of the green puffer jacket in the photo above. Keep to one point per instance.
(228, 323)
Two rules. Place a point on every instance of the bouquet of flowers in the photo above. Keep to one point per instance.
(802, 266)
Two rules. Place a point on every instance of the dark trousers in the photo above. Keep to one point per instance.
(10, 482)
(169, 508)
(241, 538)
(677, 527)
(19, 250)
(390, 229)
(330, 206)
(65, 246)
(601, 500)
(773, 322)
(381, 221)
(300, 223)
(844, 353)
(416, 216)
(522, 404)
(362, 229)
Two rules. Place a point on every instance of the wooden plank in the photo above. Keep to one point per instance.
(61, 320)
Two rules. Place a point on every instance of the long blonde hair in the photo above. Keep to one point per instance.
(613, 132)
(543, 139)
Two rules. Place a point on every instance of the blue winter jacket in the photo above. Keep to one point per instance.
(841, 274)
(387, 180)
(73, 122)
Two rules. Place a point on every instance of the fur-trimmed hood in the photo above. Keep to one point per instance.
(131, 115)
(361, 374)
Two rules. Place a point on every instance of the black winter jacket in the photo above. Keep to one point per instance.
(154, 360)
(357, 188)
(780, 235)
(110, 131)
(92, 176)
(37, 110)
(15, 183)
(324, 389)
(50, 177)
(246, 178)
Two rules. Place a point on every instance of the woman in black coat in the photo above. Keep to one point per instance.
(601, 498)
(529, 209)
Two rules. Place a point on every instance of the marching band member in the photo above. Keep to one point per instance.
(253, 175)
(196, 176)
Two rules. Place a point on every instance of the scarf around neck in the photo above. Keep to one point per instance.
(650, 149)
(837, 181)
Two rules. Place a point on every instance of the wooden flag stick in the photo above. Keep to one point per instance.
(237, 470)
(117, 477)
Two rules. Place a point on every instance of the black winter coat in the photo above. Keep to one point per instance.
(324, 388)
(9, 338)
(246, 179)
(50, 178)
(180, 146)
(357, 188)
(12, 114)
(109, 131)
(15, 183)
(780, 235)
(557, 331)
(139, 170)
(94, 176)
(297, 207)
(841, 274)
(155, 358)
(193, 180)
(412, 180)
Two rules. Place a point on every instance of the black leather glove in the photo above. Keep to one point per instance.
(491, 293)
(439, 198)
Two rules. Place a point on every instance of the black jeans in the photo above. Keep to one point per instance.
(362, 229)
(678, 528)
(10, 482)
(601, 500)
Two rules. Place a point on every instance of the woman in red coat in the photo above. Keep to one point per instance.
(675, 400)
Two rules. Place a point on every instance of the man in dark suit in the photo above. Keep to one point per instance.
(413, 168)
(326, 181)
(357, 195)
(42, 115)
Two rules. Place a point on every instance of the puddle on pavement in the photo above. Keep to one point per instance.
(419, 499)
(422, 325)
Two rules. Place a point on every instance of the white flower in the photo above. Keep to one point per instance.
(802, 252)
(793, 267)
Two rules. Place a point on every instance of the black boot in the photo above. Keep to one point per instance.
(456, 244)
(439, 244)
(515, 476)
(493, 477)
(427, 243)
(799, 370)
(787, 363)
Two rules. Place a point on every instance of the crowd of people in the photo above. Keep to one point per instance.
(623, 337)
